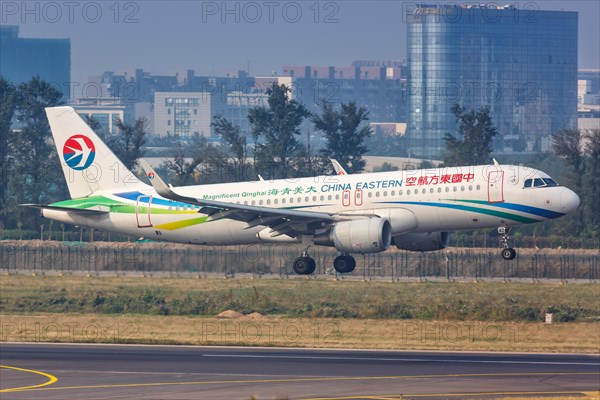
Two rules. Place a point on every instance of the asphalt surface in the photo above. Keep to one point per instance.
(78, 371)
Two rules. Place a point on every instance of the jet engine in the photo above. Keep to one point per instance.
(426, 241)
(369, 235)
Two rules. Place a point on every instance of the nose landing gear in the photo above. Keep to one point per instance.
(508, 253)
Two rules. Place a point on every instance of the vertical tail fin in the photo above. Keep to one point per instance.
(89, 166)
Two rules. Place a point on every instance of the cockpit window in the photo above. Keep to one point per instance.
(550, 182)
(539, 182)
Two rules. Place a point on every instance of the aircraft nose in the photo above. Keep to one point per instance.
(569, 200)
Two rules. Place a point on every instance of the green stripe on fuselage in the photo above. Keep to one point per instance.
(118, 206)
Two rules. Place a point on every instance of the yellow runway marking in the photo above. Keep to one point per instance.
(51, 379)
(301, 380)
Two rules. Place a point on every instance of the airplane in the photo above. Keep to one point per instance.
(356, 214)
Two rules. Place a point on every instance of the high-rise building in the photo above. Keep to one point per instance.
(23, 58)
(520, 63)
(376, 85)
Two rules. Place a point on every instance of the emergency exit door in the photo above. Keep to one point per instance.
(143, 207)
(496, 187)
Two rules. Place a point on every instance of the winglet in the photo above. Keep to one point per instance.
(159, 185)
(338, 167)
(495, 162)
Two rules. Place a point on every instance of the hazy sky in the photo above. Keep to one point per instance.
(214, 37)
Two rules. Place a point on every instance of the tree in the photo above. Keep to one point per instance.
(94, 125)
(231, 134)
(8, 103)
(275, 130)
(128, 145)
(477, 132)
(381, 144)
(186, 171)
(568, 145)
(591, 183)
(344, 134)
(385, 167)
(36, 162)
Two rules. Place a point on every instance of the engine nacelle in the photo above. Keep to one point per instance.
(369, 235)
(426, 241)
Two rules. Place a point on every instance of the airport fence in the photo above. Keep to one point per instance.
(101, 258)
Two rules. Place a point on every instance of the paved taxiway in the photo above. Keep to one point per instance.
(57, 371)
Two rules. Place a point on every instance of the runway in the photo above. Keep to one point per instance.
(81, 371)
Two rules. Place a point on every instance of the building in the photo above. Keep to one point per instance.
(376, 85)
(105, 111)
(188, 113)
(182, 114)
(521, 64)
(588, 86)
(24, 58)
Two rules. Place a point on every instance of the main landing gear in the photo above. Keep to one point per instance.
(344, 263)
(305, 265)
(508, 253)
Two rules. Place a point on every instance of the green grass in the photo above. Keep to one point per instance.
(488, 301)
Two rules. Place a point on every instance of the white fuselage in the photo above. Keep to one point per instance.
(447, 199)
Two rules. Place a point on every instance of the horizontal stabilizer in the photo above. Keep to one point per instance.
(81, 211)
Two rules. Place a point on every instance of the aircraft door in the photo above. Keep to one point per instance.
(496, 187)
(142, 211)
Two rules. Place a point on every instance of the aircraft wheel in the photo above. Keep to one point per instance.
(509, 253)
(344, 264)
(304, 265)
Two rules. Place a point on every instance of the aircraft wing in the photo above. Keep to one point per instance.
(281, 221)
